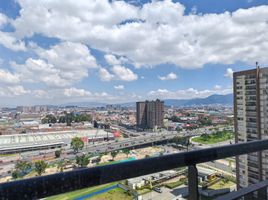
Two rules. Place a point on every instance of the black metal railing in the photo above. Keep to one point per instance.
(260, 190)
(44, 186)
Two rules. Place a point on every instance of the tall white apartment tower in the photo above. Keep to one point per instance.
(251, 123)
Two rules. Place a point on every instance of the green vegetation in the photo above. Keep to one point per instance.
(57, 153)
(174, 118)
(82, 161)
(185, 141)
(126, 151)
(67, 118)
(205, 121)
(224, 183)
(77, 144)
(60, 165)
(21, 169)
(114, 194)
(79, 193)
(113, 154)
(172, 185)
(219, 136)
(49, 119)
(144, 190)
(40, 167)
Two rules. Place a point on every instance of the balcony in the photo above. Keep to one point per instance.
(44, 186)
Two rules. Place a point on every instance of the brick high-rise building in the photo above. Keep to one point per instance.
(251, 123)
(150, 114)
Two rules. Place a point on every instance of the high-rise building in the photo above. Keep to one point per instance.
(150, 114)
(251, 123)
(141, 114)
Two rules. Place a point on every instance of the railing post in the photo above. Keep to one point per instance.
(249, 196)
(193, 183)
(262, 194)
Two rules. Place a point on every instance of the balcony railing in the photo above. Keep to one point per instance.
(44, 186)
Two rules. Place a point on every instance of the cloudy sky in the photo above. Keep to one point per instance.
(119, 51)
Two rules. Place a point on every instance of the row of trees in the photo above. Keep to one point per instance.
(24, 167)
(67, 118)
(205, 121)
(184, 141)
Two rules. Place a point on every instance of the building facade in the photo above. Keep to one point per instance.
(150, 114)
(251, 123)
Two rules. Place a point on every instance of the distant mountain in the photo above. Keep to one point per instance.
(85, 104)
(211, 100)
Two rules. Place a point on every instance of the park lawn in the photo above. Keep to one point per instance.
(113, 194)
(144, 191)
(79, 193)
(214, 138)
(174, 184)
(221, 184)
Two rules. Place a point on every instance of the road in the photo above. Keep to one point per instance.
(142, 139)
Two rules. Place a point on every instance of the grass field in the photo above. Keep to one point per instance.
(221, 184)
(214, 138)
(174, 184)
(79, 193)
(114, 194)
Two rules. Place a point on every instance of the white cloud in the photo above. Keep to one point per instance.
(159, 31)
(229, 73)
(41, 94)
(37, 70)
(170, 76)
(60, 66)
(119, 87)
(74, 92)
(105, 75)
(119, 72)
(3, 20)
(123, 73)
(112, 60)
(187, 93)
(9, 41)
(8, 78)
(217, 87)
(12, 91)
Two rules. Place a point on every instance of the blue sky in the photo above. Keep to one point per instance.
(115, 51)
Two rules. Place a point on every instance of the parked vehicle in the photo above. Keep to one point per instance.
(157, 189)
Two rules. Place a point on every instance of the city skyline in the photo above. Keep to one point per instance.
(134, 51)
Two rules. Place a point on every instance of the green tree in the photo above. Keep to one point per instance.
(22, 168)
(205, 121)
(147, 156)
(77, 144)
(126, 151)
(57, 153)
(98, 159)
(174, 118)
(82, 161)
(49, 119)
(113, 154)
(16, 174)
(40, 167)
(62, 119)
(60, 165)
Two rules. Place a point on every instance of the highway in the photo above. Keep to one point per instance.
(142, 138)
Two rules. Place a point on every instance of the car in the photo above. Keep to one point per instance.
(157, 189)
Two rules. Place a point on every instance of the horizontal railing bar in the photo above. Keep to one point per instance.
(244, 191)
(39, 187)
